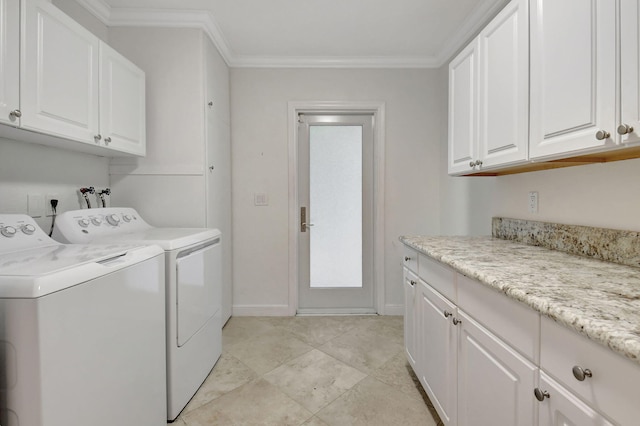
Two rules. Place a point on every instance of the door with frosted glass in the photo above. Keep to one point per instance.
(335, 213)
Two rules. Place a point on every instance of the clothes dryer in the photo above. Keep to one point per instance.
(81, 331)
(193, 283)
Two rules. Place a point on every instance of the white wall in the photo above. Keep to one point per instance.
(600, 195)
(260, 164)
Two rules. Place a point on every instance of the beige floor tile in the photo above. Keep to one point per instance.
(365, 348)
(373, 403)
(398, 373)
(316, 331)
(228, 374)
(314, 379)
(314, 421)
(268, 350)
(239, 329)
(256, 403)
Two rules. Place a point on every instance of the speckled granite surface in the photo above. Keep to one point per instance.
(600, 300)
(611, 245)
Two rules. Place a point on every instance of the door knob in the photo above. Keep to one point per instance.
(307, 224)
(624, 129)
(602, 135)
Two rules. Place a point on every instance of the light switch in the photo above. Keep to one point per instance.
(533, 202)
(261, 199)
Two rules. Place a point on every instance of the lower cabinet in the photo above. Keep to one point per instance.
(486, 360)
(561, 407)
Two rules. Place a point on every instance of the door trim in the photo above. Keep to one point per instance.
(378, 111)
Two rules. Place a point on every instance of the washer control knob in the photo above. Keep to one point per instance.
(96, 221)
(126, 218)
(8, 231)
(113, 219)
(84, 222)
(28, 229)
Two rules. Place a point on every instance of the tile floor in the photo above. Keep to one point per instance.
(312, 371)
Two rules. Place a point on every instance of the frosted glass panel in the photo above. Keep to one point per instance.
(335, 191)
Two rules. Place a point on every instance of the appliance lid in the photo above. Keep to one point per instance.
(167, 238)
(36, 272)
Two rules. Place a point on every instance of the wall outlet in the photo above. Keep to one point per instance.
(47, 203)
(35, 205)
(533, 202)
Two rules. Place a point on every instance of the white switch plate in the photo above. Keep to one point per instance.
(261, 199)
(533, 202)
(35, 205)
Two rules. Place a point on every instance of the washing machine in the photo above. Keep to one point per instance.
(193, 284)
(81, 331)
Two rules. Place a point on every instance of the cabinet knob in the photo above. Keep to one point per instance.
(472, 164)
(624, 129)
(478, 163)
(602, 135)
(407, 258)
(97, 137)
(16, 113)
(456, 321)
(540, 394)
(446, 314)
(580, 374)
(413, 283)
(107, 140)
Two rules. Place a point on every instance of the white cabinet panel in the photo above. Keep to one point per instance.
(504, 87)
(9, 60)
(410, 318)
(437, 353)
(463, 109)
(630, 71)
(59, 74)
(561, 408)
(122, 103)
(573, 82)
(495, 383)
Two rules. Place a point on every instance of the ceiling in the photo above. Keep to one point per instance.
(315, 33)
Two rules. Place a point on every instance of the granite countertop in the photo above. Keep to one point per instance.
(600, 300)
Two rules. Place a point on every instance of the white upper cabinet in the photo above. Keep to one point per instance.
(122, 103)
(59, 74)
(628, 127)
(463, 109)
(489, 95)
(573, 77)
(9, 61)
(504, 87)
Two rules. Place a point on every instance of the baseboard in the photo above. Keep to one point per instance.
(261, 311)
(394, 309)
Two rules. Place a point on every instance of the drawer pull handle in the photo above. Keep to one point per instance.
(447, 314)
(407, 258)
(456, 321)
(580, 374)
(540, 394)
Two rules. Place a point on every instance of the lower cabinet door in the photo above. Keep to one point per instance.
(410, 318)
(561, 408)
(495, 383)
(437, 356)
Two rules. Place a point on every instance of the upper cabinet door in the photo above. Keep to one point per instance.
(463, 110)
(59, 74)
(122, 103)
(504, 87)
(9, 61)
(629, 124)
(573, 81)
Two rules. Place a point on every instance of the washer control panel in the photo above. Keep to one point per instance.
(19, 231)
(86, 225)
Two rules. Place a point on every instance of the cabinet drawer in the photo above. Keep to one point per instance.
(438, 276)
(410, 259)
(613, 387)
(515, 323)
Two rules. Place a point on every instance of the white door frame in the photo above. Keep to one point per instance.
(378, 111)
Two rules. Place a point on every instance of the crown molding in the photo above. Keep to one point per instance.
(204, 20)
(469, 29)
